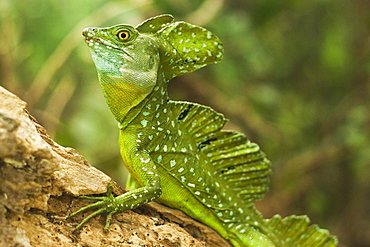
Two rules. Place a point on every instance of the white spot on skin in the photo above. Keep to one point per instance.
(145, 160)
(159, 158)
(144, 123)
(191, 185)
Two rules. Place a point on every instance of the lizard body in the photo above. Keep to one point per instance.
(177, 152)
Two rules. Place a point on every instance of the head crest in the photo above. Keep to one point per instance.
(186, 47)
(154, 24)
(191, 47)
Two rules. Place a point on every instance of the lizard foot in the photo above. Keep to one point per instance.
(105, 204)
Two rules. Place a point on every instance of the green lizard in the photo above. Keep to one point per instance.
(176, 151)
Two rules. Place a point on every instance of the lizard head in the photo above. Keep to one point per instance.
(131, 61)
(124, 55)
(177, 47)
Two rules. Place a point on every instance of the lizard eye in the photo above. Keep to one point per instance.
(123, 35)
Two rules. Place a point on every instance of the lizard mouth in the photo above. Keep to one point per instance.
(91, 39)
(94, 42)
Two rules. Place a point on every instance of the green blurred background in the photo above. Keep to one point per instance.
(295, 79)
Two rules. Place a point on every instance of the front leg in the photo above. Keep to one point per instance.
(130, 200)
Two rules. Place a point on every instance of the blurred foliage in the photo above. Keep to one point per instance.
(295, 79)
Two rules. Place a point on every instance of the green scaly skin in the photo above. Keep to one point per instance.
(176, 152)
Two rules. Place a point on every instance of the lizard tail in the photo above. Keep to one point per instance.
(296, 231)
